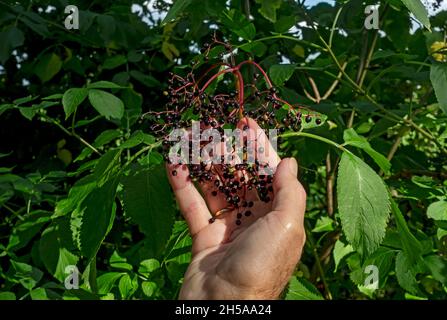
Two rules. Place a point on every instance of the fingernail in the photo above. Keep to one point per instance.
(293, 166)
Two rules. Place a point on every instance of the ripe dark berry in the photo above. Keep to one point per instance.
(214, 193)
(308, 119)
(248, 213)
(238, 222)
(239, 215)
(318, 121)
(174, 173)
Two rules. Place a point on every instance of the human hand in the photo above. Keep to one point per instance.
(253, 260)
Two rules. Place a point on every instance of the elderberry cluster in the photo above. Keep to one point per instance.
(208, 100)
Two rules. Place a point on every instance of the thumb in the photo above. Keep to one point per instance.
(290, 197)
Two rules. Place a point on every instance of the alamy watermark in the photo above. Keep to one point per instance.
(372, 19)
(72, 20)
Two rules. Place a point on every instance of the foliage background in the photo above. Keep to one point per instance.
(81, 180)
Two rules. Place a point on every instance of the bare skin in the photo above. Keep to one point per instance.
(254, 260)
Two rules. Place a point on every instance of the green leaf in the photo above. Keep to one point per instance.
(410, 245)
(107, 280)
(25, 230)
(406, 273)
(75, 196)
(383, 259)
(301, 289)
(44, 294)
(324, 224)
(104, 85)
(438, 77)
(438, 267)
(48, 66)
(136, 139)
(280, 73)
(353, 139)
(106, 104)
(93, 219)
(27, 275)
(128, 286)
(103, 138)
(418, 9)
(363, 204)
(148, 202)
(268, 8)
(114, 62)
(149, 288)
(148, 266)
(55, 246)
(119, 262)
(147, 80)
(10, 39)
(179, 245)
(438, 211)
(7, 295)
(178, 7)
(72, 99)
(341, 250)
(238, 23)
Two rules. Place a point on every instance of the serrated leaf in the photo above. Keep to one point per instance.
(147, 200)
(280, 73)
(363, 204)
(353, 139)
(72, 98)
(301, 289)
(76, 195)
(106, 104)
(418, 9)
(93, 219)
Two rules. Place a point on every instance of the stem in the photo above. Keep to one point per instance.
(315, 137)
(311, 242)
(214, 77)
(240, 84)
(281, 36)
(329, 185)
(334, 25)
(72, 134)
(264, 74)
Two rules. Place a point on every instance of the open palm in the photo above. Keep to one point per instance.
(253, 260)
